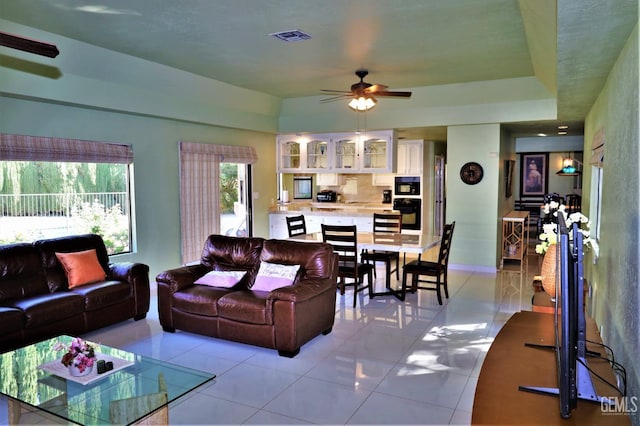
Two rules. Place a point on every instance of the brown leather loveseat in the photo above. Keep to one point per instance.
(284, 318)
(36, 302)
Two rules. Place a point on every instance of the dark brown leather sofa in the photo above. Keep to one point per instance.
(282, 319)
(36, 303)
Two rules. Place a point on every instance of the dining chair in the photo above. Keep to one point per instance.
(343, 239)
(296, 225)
(573, 203)
(384, 223)
(437, 269)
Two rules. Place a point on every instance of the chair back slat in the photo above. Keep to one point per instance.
(389, 223)
(445, 245)
(296, 225)
(343, 239)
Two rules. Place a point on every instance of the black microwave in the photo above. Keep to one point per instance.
(407, 185)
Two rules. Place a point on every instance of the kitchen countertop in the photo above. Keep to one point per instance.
(332, 209)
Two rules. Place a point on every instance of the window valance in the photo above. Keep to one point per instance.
(36, 148)
(227, 153)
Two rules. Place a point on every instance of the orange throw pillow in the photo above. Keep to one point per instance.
(81, 267)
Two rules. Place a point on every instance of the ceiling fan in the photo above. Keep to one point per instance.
(363, 93)
(28, 45)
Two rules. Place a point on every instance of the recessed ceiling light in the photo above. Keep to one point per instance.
(542, 134)
(562, 133)
(292, 35)
(563, 127)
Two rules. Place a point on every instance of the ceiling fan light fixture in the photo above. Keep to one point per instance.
(362, 103)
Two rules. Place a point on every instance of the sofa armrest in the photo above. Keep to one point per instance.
(304, 290)
(137, 275)
(179, 278)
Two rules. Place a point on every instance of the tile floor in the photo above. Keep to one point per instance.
(385, 362)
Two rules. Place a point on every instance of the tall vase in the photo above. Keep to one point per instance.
(548, 270)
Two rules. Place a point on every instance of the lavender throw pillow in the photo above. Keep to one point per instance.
(272, 276)
(226, 279)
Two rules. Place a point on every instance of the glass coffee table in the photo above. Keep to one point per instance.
(138, 389)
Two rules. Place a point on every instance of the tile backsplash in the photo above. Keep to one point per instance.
(358, 187)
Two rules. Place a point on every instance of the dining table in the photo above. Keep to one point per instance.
(385, 241)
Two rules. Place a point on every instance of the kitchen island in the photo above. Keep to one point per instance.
(315, 214)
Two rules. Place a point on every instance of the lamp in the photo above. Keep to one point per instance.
(568, 167)
(362, 103)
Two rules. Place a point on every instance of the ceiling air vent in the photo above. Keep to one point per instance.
(293, 35)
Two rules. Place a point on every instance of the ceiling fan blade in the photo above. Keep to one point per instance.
(335, 91)
(335, 98)
(28, 45)
(396, 94)
(376, 88)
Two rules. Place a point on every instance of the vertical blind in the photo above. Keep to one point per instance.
(200, 191)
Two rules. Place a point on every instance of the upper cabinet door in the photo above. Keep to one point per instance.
(319, 154)
(372, 152)
(410, 157)
(290, 154)
(377, 152)
(345, 153)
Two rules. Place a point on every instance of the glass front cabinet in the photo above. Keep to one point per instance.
(289, 154)
(318, 152)
(372, 152)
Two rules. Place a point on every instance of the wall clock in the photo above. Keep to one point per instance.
(471, 173)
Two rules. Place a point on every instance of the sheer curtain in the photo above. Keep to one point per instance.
(200, 191)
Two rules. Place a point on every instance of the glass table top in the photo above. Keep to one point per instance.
(90, 404)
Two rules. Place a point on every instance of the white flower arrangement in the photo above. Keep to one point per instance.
(549, 236)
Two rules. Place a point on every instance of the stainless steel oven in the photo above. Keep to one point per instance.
(407, 185)
(411, 210)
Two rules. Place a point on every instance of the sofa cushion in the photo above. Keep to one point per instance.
(225, 279)
(81, 267)
(316, 259)
(274, 275)
(221, 252)
(20, 272)
(199, 299)
(53, 270)
(46, 309)
(102, 294)
(11, 319)
(245, 306)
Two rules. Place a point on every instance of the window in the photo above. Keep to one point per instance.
(597, 163)
(235, 183)
(52, 187)
(596, 201)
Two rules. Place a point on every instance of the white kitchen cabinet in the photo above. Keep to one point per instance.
(364, 224)
(304, 153)
(289, 154)
(410, 157)
(317, 152)
(372, 152)
(313, 223)
(278, 226)
(338, 220)
(328, 179)
(382, 179)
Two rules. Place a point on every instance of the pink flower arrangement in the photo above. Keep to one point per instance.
(79, 353)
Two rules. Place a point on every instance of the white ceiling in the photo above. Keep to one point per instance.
(403, 43)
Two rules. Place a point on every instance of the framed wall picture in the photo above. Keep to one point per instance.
(534, 169)
(509, 166)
